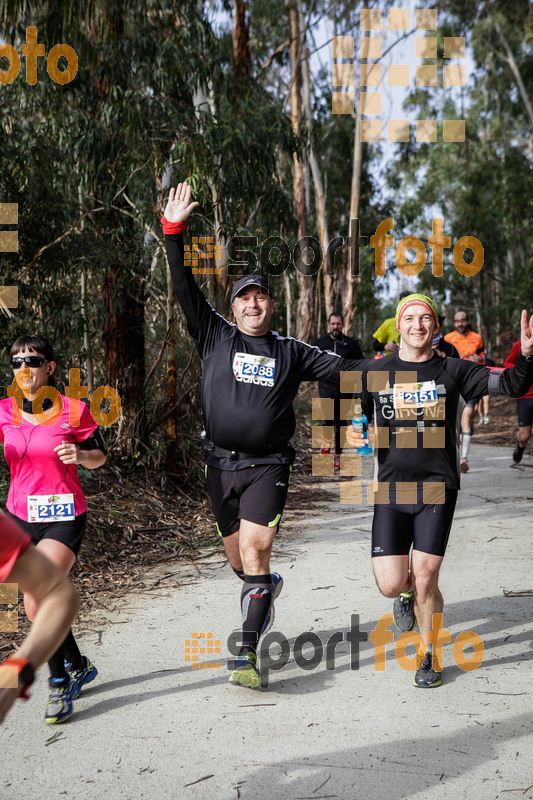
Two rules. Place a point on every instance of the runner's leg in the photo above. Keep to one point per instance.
(256, 596)
(425, 569)
(524, 408)
(64, 558)
(523, 435)
(466, 426)
(392, 574)
(233, 553)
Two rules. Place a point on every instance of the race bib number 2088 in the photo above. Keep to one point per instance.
(249, 368)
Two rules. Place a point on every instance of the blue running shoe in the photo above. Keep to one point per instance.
(60, 700)
(277, 586)
(246, 672)
(82, 676)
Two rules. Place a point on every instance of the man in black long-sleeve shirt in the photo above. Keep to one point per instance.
(250, 377)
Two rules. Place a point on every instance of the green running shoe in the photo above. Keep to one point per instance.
(246, 672)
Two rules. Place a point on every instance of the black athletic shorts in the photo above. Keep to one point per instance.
(397, 526)
(524, 408)
(257, 494)
(69, 532)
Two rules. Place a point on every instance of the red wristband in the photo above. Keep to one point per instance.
(25, 672)
(172, 227)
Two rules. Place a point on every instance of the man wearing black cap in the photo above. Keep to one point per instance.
(250, 377)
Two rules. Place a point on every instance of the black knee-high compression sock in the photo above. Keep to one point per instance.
(72, 651)
(68, 651)
(256, 597)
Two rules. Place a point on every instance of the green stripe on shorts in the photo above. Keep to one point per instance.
(274, 521)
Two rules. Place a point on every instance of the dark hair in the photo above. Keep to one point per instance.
(335, 314)
(404, 294)
(36, 344)
(462, 311)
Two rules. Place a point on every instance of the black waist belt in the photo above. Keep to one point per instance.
(235, 455)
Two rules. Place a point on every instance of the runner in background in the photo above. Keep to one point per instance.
(387, 337)
(441, 345)
(470, 347)
(483, 406)
(43, 448)
(336, 342)
(57, 604)
(524, 409)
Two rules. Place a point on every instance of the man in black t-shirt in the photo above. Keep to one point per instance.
(415, 398)
(336, 342)
(250, 377)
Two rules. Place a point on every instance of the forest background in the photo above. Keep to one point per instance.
(229, 96)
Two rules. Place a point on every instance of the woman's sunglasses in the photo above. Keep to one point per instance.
(30, 361)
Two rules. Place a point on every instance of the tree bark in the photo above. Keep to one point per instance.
(306, 284)
(124, 302)
(349, 296)
(242, 62)
(124, 332)
(516, 72)
(320, 199)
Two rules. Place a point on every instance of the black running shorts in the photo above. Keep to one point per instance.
(257, 494)
(69, 532)
(473, 403)
(397, 526)
(524, 407)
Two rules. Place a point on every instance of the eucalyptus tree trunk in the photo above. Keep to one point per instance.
(124, 302)
(349, 294)
(320, 199)
(306, 284)
(88, 362)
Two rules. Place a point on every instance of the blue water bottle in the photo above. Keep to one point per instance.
(360, 424)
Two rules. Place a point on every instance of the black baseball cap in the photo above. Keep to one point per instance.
(250, 280)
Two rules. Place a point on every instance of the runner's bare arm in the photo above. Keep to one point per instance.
(58, 604)
(70, 453)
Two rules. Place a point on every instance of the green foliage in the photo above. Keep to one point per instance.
(482, 187)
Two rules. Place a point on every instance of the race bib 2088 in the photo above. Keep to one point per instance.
(260, 370)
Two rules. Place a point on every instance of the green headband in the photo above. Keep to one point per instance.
(415, 300)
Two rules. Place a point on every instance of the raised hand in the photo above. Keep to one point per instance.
(179, 204)
(526, 338)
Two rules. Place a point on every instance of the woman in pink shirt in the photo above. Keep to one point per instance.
(43, 444)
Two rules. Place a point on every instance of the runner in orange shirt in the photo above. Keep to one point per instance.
(470, 347)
